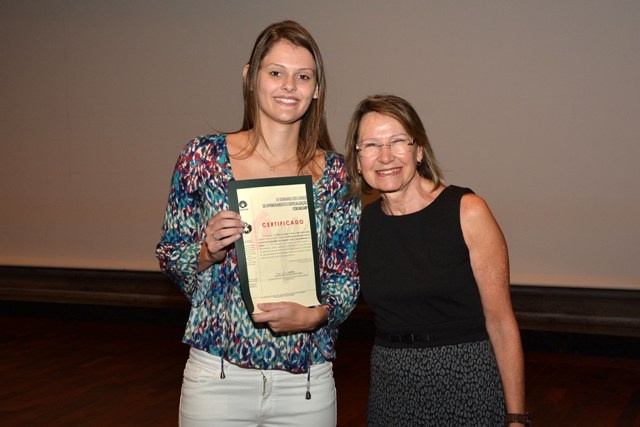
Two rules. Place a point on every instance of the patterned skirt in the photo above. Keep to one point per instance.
(454, 385)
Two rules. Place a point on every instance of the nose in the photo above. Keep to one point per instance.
(385, 153)
(289, 84)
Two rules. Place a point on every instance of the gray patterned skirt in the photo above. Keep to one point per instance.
(453, 385)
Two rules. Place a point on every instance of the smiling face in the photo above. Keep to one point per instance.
(286, 83)
(387, 172)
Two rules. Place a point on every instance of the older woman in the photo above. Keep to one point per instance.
(434, 269)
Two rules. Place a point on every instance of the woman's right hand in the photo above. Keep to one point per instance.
(221, 231)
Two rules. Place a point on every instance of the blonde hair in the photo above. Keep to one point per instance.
(401, 110)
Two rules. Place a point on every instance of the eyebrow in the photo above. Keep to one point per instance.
(275, 64)
(386, 137)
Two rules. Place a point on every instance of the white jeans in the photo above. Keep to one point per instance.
(253, 397)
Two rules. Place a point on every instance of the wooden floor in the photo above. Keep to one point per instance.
(66, 371)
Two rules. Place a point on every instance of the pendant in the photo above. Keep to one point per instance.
(272, 169)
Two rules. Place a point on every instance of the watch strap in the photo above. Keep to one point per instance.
(519, 418)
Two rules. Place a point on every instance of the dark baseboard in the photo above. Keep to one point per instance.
(93, 287)
(167, 317)
(577, 310)
(581, 344)
(538, 309)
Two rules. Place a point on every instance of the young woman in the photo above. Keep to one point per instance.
(272, 368)
(434, 269)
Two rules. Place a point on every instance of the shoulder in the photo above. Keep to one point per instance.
(475, 214)
(203, 144)
(334, 161)
(200, 159)
(471, 205)
(335, 171)
(457, 191)
(372, 209)
(333, 187)
(465, 197)
(203, 149)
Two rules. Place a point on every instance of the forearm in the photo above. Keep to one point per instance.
(317, 316)
(510, 359)
(205, 260)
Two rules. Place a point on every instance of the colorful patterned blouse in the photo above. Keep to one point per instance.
(218, 321)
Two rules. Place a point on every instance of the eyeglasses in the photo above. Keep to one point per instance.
(397, 147)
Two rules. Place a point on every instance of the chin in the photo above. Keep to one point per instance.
(388, 187)
(386, 190)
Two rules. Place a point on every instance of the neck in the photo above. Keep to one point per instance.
(278, 152)
(392, 205)
(277, 143)
(280, 136)
(410, 199)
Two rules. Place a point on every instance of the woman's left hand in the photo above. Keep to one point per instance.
(285, 317)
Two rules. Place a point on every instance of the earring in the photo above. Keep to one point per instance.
(359, 171)
(419, 162)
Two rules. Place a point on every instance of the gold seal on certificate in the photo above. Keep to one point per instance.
(277, 254)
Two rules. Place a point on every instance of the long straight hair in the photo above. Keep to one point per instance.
(314, 133)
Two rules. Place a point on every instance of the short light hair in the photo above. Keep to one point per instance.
(401, 110)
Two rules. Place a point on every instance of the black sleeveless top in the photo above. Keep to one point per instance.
(415, 274)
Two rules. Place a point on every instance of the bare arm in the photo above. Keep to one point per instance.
(490, 264)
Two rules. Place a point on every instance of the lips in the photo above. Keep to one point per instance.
(386, 172)
(286, 101)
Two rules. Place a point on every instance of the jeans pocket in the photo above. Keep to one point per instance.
(322, 371)
(196, 375)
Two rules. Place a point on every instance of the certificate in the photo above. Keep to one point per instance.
(277, 254)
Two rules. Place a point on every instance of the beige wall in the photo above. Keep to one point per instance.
(535, 105)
